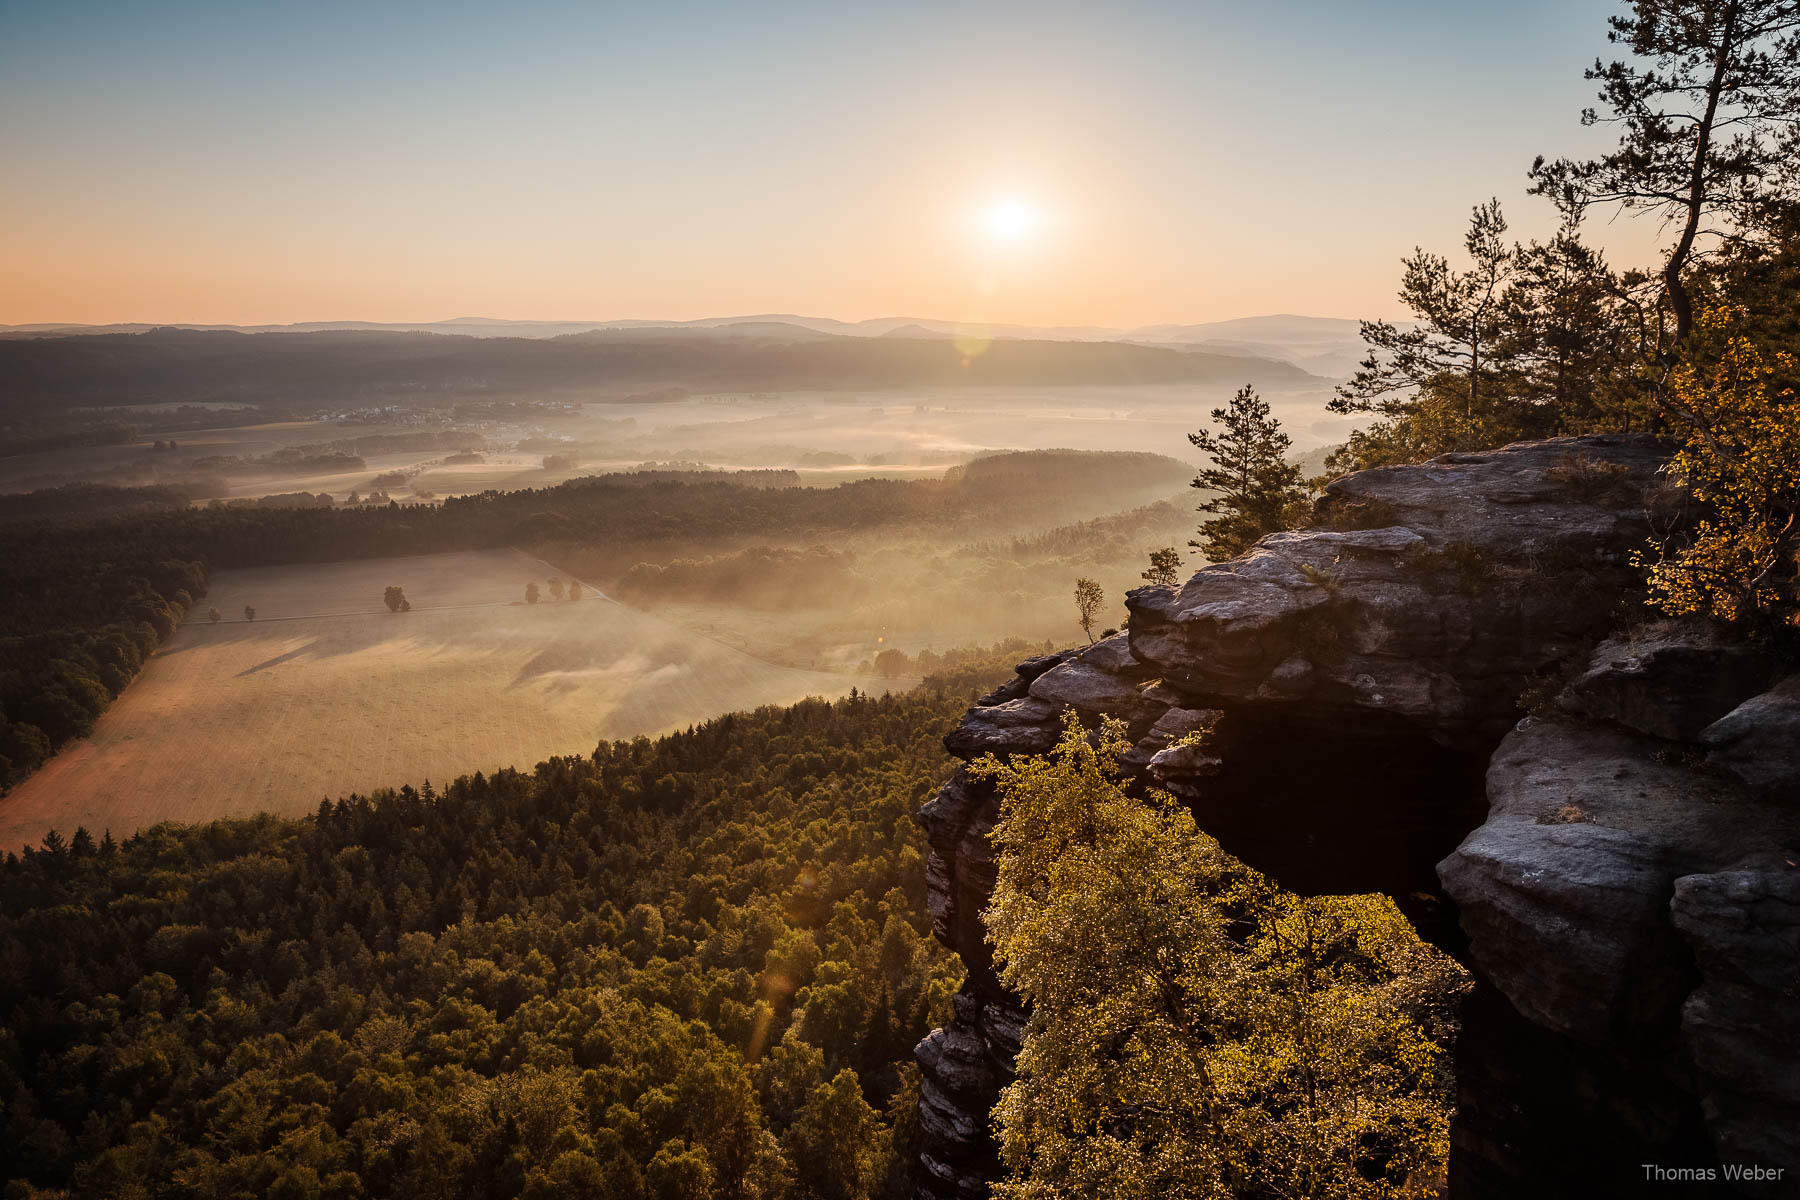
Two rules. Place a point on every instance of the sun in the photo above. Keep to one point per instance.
(1010, 220)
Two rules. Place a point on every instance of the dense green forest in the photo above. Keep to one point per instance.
(687, 967)
(89, 598)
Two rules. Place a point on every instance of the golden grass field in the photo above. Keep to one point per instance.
(326, 693)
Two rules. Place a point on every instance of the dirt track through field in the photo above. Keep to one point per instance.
(326, 692)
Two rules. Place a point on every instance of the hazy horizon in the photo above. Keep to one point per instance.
(1039, 165)
(477, 320)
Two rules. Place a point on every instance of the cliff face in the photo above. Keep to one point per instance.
(1358, 677)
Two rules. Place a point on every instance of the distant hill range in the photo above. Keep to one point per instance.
(1329, 346)
(370, 365)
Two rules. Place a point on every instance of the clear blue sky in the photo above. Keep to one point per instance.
(1118, 164)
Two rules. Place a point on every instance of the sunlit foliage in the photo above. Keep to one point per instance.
(1740, 464)
(1195, 1031)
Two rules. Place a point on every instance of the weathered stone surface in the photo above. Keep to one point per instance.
(1020, 684)
(1094, 692)
(1173, 725)
(1759, 742)
(1494, 567)
(1025, 726)
(1527, 498)
(1565, 891)
(1624, 896)
(1671, 685)
(962, 1067)
(1742, 1024)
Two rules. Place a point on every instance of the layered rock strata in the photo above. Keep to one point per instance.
(1355, 676)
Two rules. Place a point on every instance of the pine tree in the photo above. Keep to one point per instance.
(1439, 378)
(1165, 567)
(1256, 487)
(1706, 126)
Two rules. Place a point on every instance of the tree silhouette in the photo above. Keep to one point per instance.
(249, 613)
(531, 593)
(1459, 315)
(1255, 484)
(212, 614)
(395, 599)
(1165, 567)
(890, 662)
(1088, 599)
(556, 589)
(574, 590)
(1706, 126)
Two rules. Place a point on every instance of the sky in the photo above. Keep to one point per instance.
(1113, 164)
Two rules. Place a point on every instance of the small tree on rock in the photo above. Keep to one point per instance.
(1165, 567)
(1256, 487)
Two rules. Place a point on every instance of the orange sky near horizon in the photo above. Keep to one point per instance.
(212, 165)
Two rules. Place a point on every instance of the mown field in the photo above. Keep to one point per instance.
(326, 692)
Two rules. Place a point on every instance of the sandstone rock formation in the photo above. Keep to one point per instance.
(1356, 676)
(1639, 906)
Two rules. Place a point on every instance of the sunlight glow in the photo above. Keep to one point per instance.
(1011, 220)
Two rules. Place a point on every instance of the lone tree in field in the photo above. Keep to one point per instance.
(891, 662)
(395, 599)
(574, 590)
(1707, 125)
(556, 589)
(1088, 599)
(531, 593)
(212, 614)
(249, 613)
(1255, 484)
(1165, 567)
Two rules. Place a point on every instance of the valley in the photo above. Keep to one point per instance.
(327, 693)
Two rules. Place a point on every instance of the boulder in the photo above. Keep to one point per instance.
(1759, 742)
(1672, 684)
(1488, 570)
(1742, 1024)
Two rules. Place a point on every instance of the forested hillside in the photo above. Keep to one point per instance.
(51, 374)
(681, 968)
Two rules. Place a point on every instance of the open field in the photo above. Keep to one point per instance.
(326, 692)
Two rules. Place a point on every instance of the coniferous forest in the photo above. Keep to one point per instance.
(689, 966)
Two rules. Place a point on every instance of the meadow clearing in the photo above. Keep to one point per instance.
(327, 692)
